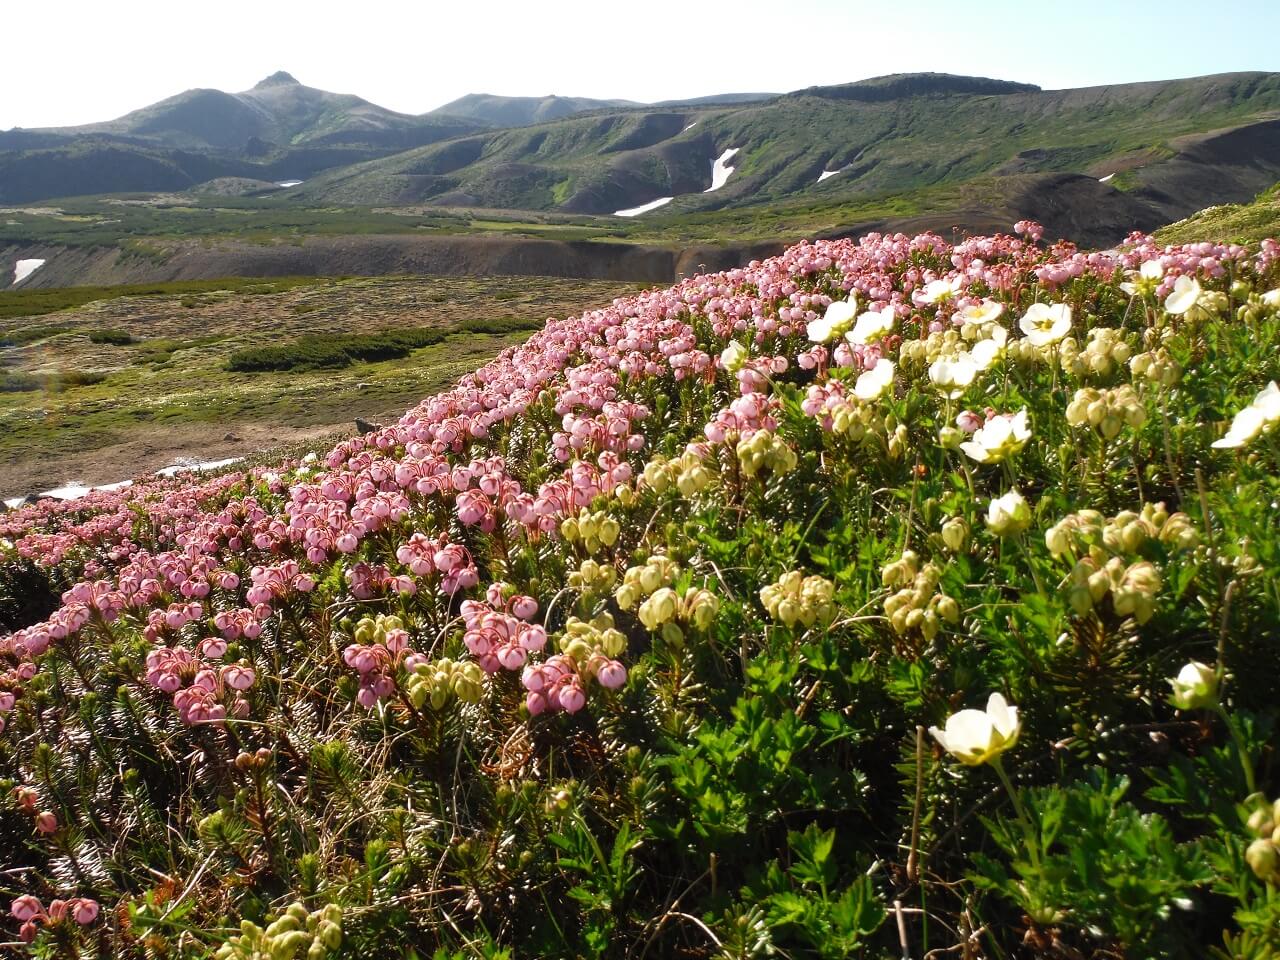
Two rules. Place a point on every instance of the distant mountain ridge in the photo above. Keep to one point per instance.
(1166, 147)
(276, 113)
(279, 129)
(1146, 152)
(501, 111)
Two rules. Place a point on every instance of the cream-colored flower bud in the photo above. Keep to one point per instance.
(955, 534)
(673, 635)
(1263, 859)
(948, 609)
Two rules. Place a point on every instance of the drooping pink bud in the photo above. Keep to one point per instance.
(84, 910)
(26, 907)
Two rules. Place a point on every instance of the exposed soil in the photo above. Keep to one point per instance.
(163, 446)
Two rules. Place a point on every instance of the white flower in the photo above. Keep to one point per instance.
(1250, 422)
(835, 321)
(988, 351)
(999, 438)
(975, 736)
(1046, 323)
(936, 291)
(872, 325)
(1185, 294)
(876, 382)
(733, 356)
(952, 375)
(1272, 298)
(1009, 515)
(1195, 686)
(1147, 276)
(981, 314)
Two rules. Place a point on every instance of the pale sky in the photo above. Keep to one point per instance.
(70, 61)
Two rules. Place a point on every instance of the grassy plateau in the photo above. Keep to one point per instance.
(100, 383)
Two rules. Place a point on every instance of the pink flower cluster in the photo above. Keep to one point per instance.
(170, 559)
(377, 662)
(557, 684)
(30, 912)
(45, 821)
(741, 418)
(502, 638)
(199, 689)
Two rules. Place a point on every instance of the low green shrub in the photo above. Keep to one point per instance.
(21, 336)
(328, 351)
(15, 382)
(115, 338)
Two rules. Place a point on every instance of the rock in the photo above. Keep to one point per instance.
(364, 426)
(231, 438)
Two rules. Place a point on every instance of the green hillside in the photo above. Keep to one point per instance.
(889, 135)
(279, 130)
(1239, 222)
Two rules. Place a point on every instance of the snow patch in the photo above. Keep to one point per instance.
(1106, 178)
(288, 183)
(689, 127)
(183, 466)
(74, 489)
(643, 208)
(25, 268)
(720, 170)
(71, 490)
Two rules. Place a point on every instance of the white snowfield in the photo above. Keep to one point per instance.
(74, 489)
(830, 173)
(185, 466)
(288, 183)
(68, 491)
(25, 268)
(720, 170)
(689, 127)
(643, 208)
(1106, 178)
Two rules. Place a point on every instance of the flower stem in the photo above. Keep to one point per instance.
(1033, 845)
(1245, 764)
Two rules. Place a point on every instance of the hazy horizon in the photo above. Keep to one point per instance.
(126, 59)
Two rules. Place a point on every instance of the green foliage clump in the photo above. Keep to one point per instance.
(15, 382)
(115, 338)
(326, 351)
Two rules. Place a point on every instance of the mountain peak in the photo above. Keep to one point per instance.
(277, 79)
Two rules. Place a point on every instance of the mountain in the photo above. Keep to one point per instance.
(520, 111)
(1169, 146)
(280, 129)
(501, 111)
(278, 112)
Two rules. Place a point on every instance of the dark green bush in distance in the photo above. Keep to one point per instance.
(328, 351)
(21, 336)
(52, 382)
(115, 338)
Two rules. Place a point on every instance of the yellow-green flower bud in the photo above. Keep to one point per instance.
(1263, 859)
(955, 534)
